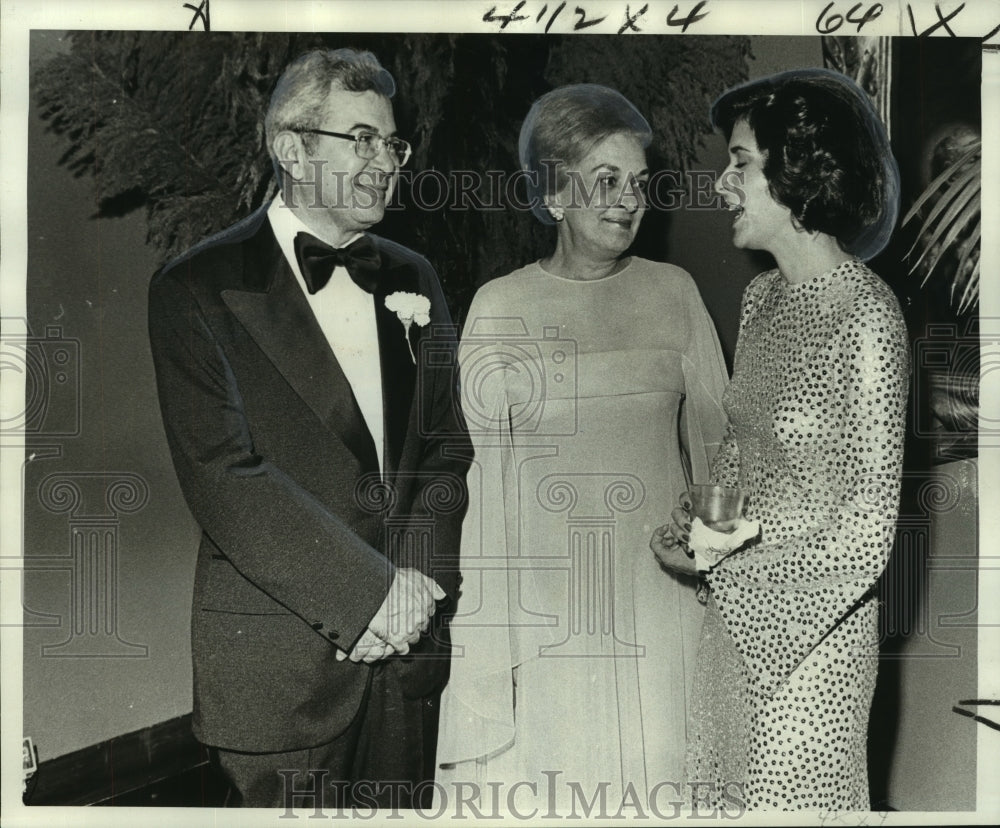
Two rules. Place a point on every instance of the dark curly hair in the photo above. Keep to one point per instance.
(827, 154)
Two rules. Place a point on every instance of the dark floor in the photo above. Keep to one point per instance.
(200, 787)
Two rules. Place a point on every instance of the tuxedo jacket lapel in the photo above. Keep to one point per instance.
(277, 315)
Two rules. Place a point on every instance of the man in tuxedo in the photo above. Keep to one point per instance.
(307, 395)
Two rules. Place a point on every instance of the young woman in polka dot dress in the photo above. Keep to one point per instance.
(788, 657)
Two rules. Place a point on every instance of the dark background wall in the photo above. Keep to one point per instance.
(88, 278)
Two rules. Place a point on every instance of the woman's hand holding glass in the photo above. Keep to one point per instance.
(670, 550)
(692, 542)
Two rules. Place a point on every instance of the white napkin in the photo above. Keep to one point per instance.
(710, 547)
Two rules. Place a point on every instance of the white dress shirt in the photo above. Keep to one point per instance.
(346, 315)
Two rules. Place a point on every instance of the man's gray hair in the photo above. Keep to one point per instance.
(299, 98)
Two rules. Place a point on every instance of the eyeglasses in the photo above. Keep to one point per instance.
(368, 145)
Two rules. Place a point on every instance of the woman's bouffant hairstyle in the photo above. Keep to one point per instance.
(562, 127)
(827, 153)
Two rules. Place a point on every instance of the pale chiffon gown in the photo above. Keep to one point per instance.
(592, 404)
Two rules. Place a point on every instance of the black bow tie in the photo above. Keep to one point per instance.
(317, 260)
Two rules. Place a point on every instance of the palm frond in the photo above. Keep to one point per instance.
(971, 293)
(946, 209)
(949, 235)
(975, 151)
(962, 207)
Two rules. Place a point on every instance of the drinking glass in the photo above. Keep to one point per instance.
(719, 507)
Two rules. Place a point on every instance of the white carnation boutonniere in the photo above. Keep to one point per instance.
(411, 308)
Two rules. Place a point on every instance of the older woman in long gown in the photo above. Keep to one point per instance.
(592, 383)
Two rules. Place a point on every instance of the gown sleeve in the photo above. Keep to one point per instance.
(726, 462)
(477, 712)
(780, 599)
(726, 465)
(702, 418)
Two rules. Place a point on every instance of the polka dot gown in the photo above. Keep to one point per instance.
(788, 657)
